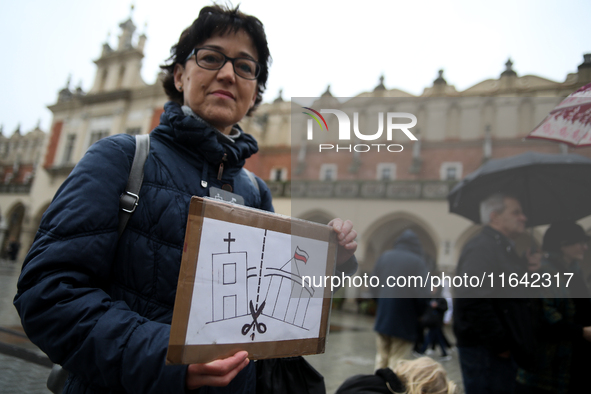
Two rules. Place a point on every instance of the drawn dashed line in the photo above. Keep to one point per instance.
(261, 269)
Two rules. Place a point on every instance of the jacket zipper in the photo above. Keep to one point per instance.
(221, 169)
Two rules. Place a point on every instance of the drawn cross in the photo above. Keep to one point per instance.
(228, 240)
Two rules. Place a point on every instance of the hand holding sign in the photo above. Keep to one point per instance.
(346, 237)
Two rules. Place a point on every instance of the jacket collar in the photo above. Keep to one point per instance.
(500, 238)
(198, 136)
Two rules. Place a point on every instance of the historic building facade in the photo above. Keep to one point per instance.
(118, 102)
(19, 155)
(385, 192)
(382, 192)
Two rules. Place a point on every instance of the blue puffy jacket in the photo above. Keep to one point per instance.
(102, 306)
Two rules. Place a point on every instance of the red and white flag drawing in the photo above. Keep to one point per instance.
(301, 255)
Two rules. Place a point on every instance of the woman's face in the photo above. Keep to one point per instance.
(220, 97)
(574, 252)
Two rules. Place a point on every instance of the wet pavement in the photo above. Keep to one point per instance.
(9, 272)
(23, 367)
(350, 348)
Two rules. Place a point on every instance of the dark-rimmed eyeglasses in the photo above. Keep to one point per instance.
(210, 59)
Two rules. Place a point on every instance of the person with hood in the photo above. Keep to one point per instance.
(400, 305)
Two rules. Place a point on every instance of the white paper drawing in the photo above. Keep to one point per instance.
(248, 285)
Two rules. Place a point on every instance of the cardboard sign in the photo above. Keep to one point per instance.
(242, 285)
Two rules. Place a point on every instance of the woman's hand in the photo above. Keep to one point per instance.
(346, 237)
(216, 373)
(587, 333)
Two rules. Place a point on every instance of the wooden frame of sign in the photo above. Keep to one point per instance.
(251, 296)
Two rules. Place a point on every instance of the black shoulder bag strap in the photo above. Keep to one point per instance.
(127, 204)
(129, 200)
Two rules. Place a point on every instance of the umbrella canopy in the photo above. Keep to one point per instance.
(569, 122)
(550, 187)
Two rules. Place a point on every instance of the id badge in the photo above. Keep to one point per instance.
(226, 196)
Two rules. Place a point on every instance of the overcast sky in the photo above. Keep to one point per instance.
(347, 44)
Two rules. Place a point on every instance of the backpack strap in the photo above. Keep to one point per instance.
(130, 198)
(252, 179)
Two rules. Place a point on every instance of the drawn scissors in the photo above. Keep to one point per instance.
(260, 327)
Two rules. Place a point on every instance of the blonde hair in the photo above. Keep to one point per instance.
(424, 376)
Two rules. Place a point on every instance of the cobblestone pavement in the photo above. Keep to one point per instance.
(19, 376)
(351, 349)
(16, 374)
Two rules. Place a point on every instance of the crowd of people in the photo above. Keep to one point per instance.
(523, 339)
(510, 339)
(100, 303)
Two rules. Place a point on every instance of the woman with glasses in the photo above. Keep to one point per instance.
(101, 305)
(563, 359)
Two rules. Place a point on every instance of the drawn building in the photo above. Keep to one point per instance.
(287, 295)
(230, 297)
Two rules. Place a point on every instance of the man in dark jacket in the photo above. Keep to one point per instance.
(491, 322)
(399, 304)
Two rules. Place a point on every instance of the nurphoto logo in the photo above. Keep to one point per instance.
(392, 124)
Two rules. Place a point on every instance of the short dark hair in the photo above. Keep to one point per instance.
(213, 20)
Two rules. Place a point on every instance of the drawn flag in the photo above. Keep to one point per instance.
(301, 255)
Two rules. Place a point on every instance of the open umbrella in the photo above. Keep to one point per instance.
(569, 122)
(550, 187)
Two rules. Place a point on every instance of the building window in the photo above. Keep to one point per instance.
(121, 76)
(328, 172)
(386, 172)
(229, 273)
(97, 135)
(103, 81)
(451, 171)
(69, 148)
(27, 178)
(278, 174)
(8, 177)
(133, 131)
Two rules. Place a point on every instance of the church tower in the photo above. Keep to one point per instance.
(119, 69)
